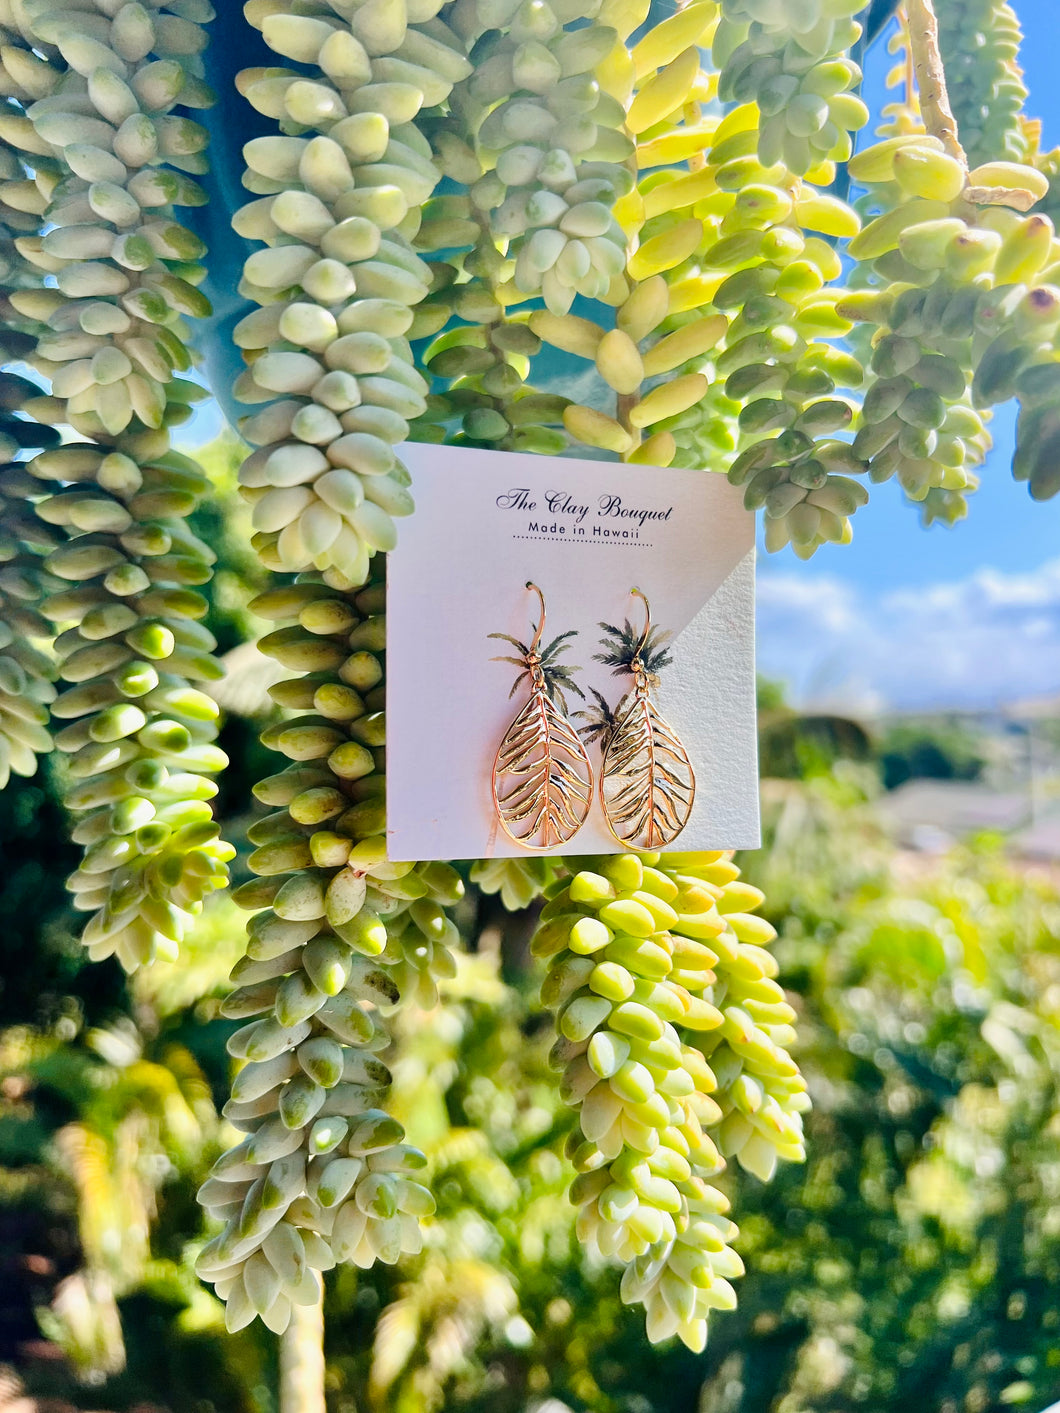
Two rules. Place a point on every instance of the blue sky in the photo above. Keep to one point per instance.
(917, 618)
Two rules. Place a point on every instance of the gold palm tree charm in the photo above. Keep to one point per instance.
(542, 781)
(647, 784)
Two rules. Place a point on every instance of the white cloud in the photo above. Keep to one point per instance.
(982, 641)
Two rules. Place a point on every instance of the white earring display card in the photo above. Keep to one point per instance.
(602, 543)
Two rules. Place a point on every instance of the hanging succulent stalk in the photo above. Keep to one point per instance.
(790, 59)
(714, 231)
(27, 666)
(479, 370)
(337, 287)
(980, 44)
(944, 495)
(964, 314)
(553, 144)
(27, 671)
(95, 121)
(338, 935)
(611, 75)
(918, 421)
(774, 154)
(338, 205)
(672, 1036)
(480, 366)
(672, 217)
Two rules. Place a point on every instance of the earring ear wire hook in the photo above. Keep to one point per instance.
(639, 593)
(541, 626)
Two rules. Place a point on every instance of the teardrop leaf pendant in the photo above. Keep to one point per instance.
(647, 784)
(542, 781)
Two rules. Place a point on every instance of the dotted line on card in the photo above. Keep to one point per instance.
(577, 540)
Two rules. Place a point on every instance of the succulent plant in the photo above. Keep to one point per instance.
(556, 226)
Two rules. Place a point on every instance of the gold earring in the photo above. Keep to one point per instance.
(542, 781)
(647, 784)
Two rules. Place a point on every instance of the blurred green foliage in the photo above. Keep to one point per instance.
(915, 1257)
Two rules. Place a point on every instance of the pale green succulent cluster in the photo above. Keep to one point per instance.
(789, 58)
(91, 121)
(339, 936)
(110, 160)
(584, 159)
(672, 1044)
(340, 192)
(531, 145)
(517, 881)
(27, 669)
(140, 735)
(980, 42)
(551, 142)
(965, 315)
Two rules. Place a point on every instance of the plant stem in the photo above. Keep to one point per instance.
(624, 404)
(302, 1361)
(931, 77)
(935, 104)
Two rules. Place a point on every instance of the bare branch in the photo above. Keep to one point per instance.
(931, 77)
(935, 107)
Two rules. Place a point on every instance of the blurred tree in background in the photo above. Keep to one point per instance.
(914, 1261)
(794, 745)
(929, 750)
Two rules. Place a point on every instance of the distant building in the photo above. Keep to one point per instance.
(934, 814)
(1018, 794)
